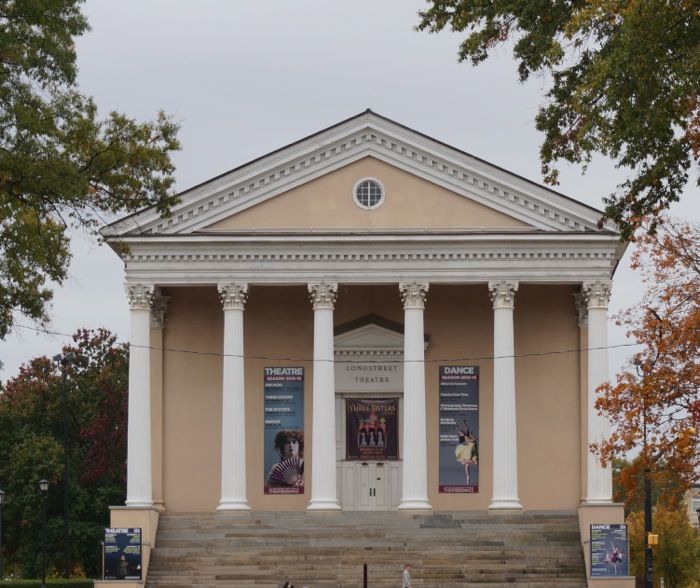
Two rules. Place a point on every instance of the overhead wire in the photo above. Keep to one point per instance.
(363, 360)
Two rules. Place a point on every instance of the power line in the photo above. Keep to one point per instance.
(368, 360)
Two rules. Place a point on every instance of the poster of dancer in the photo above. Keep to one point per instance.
(284, 430)
(609, 549)
(372, 429)
(459, 429)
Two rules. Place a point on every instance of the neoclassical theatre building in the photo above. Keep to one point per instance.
(367, 319)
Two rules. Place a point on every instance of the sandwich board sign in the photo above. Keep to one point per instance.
(122, 553)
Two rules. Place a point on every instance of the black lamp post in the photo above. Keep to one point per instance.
(44, 487)
(648, 553)
(697, 511)
(64, 360)
(2, 501)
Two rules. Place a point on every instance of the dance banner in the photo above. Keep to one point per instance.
(372, 429)
(122, 554)
(609, 548)
(284, 430)
(459, 429)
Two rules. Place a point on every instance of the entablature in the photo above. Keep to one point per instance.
(376, 259)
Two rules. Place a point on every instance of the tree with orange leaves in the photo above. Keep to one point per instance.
(654, 405)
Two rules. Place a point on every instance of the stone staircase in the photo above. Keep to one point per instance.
(449, 549)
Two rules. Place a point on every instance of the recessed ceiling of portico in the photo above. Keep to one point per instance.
(327, 203)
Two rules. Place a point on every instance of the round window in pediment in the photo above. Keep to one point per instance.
(368, 194)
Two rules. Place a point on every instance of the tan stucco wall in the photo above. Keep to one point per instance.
(327, 202)
(548, 395)
(193, 339)
(278, 324)
(278, 331)
(459, 320)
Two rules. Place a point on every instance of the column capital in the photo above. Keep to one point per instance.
(323, 295)
(503, 293)
(581, 309)
(597, 294)
(233, 296)
(159, 306)
(414, 294)
(140, 296)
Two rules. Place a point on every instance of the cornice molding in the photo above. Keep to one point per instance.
(598, 257)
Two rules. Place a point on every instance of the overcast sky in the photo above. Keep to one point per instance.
(244, 78)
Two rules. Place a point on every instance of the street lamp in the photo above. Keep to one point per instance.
(697, 511)
(2, 501)
(64, 360)
(648, 553)
(44, 487)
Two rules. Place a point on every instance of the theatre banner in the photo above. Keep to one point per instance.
(609, 549)
(459, 429)
(372, 429)
(122, 554)
(284, 430)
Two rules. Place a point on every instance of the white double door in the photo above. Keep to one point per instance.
(377, 485)
(365, 485)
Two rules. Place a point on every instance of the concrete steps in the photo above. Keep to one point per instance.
(450, 550)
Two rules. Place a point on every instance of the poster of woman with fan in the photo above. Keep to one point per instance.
(289, 472)
(284, 430)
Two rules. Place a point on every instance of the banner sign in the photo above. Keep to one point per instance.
(284, 430)
(372, 429)
(609, 548)
(459, 429)
(122, 554)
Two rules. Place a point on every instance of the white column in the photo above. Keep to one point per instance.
(159, 308)
(597, 297)
(233, 431)
(505, 454)
(415, 470)
(139, 482)
(324, 495)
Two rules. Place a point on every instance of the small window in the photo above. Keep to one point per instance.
(368, 194)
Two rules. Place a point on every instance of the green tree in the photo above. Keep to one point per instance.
(62, 166)
(623, 82)
(31, 441)
(675, 556)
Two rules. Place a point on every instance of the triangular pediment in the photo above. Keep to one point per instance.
(307, 186)
(370, 335)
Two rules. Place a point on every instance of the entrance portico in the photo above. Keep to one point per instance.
(385, 350)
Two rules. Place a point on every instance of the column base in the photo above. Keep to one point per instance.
(232, 505)
(597, 501)
(319, 504)
(139, 504)
(415, 504)
(506, 504)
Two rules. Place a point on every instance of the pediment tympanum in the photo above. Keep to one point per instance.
(327, 203)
